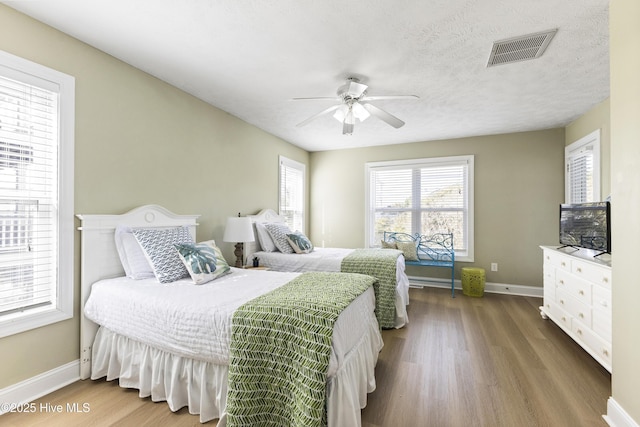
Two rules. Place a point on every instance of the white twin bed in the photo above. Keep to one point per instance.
(171, 340)
(320, 259)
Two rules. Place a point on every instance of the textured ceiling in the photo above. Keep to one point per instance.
(250, 57)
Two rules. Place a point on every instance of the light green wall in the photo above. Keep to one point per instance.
(519, 184)
(138, 141)
(598, 117)
(625, 206)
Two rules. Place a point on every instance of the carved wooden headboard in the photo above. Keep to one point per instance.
(99, 257)
(265, 215)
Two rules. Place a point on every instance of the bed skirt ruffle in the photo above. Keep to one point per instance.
(202, 386)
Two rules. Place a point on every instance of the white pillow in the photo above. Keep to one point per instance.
(266, 242)
(159, 248)
(131, 255)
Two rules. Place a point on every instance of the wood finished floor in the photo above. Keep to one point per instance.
(488, 361)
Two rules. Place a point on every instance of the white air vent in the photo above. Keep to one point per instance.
(520, 48)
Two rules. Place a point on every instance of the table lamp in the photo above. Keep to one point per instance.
(239, 230)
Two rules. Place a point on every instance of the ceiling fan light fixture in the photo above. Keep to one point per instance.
(341, 113)
(360, 112)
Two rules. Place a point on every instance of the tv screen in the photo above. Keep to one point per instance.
(586, 225)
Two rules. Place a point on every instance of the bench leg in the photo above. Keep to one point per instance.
(453, 294)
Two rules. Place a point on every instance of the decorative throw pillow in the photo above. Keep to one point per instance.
(131, 255)
(203, 261)
(409, 250)
(388, 245)
(159, 248)
(300, 243)
(266, 242)
(278, 232)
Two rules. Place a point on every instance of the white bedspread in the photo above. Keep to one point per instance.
(330, 259)
(194, 321)
(321, 259)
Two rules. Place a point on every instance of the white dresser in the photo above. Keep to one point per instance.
(577, 296)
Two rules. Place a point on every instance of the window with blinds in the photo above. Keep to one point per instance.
(292, 189)
(423, 196)
(34, 237)
(582, 170)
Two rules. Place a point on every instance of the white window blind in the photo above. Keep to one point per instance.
(30, 198)
(292, 189)
(582, 170)
(423, 196)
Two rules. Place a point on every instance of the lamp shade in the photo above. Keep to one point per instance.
(238, 229)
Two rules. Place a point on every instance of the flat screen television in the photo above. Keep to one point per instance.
(586, 225)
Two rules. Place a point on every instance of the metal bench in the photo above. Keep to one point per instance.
(435, 250)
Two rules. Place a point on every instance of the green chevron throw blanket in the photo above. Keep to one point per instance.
(280, 350)
(381, 264)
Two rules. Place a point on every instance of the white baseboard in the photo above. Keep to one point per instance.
(616, 416)
(34, 388)
(489, 287)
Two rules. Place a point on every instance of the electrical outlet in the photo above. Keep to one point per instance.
(494, 266)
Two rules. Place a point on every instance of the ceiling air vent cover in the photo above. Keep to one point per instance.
(520, 48)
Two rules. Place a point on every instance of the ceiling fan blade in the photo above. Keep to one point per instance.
(318, 98)
(384, 116)
(315, 116)
(380, 97)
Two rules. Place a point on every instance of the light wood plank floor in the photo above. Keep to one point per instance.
(488, 361)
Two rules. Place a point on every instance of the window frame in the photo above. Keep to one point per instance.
(301, 167)
(468, 160)
(590, 142)
(13, 66)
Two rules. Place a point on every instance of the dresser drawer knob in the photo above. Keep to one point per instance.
(581, 292)
(605, 352)
(579, 270)
(579, 331)
(562, 301)
(605, 279)
(581, 315)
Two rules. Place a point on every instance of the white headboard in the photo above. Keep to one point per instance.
(265, 215)
(99, 257)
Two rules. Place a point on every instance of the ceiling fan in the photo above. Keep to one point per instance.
(354, 103)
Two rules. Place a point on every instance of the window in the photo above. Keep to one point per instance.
(36, 195)
(423, 196)
(291, 199)
(582, 169)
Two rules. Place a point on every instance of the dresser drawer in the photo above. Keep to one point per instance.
(557, 260)
(601, 323)
(575, 286)
(602, 300)
(599, 347)
(591, 272)
(560, 315)
(576, 308)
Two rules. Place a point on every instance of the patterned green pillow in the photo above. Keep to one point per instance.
(388, 245)
(300, 243)
(204, 261)
(409, 250)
